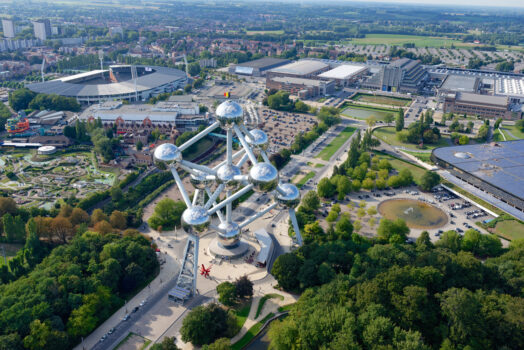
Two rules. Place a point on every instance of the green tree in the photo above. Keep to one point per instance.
(399, 122)
(393, 231)
(167, 214)
(168, 343)
(20, 99)
(311, 202)
(226, 293)
(34, 252)
(244, 287)
(450, 240)
(205, 324)
(325, 188)
(285, 269)
(429, 180)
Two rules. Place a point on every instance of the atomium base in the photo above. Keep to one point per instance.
(231, 253)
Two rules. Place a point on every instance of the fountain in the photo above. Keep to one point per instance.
(417, 214)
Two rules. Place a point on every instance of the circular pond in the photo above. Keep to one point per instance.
(417, 214)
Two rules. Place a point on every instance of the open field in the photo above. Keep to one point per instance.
(254, 32)
(418, 40)
(335, 144)
(388, 135)
(364, 112)
(425, 157)
(384, 100)
(510, 228)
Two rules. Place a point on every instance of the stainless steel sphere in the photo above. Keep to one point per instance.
(257, 139)
(168, 154)
(226, 175)
(264, 177)
(195, 219)
(229, 113)
(200, 181)
(229, 234)
(290, 196)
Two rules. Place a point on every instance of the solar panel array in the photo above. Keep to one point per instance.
(499, 164)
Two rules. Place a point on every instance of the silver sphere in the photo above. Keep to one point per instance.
(168, 154)
(258, 139)
(229, 234)
(199, 180)
(264, 177)
(226, 175)
(195, 219)
(229, 113)
(290, 198)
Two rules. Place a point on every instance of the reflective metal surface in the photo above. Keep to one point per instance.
(226, 175)
(195, 219)
(264, 177)
(258, 139)
(168, 154)
(229, 234)
(288, 195)
(229, 113)
(199, 180)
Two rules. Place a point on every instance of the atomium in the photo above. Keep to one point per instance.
(217, 187)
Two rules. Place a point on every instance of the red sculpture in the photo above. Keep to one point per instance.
(205, 271)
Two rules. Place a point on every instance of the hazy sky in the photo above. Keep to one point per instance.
(505, 3)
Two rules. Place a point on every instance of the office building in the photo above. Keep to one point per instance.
(42, 29)
(8, 27)
(302, 87)
(475, 104)
(402, 75)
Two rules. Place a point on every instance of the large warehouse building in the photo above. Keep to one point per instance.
(299, 69)
(119, 82)
(345, 74)
(496, 168)
(257, 68)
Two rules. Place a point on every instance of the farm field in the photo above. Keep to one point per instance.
(418, 40)
(335, 144)
(384, 100)
(365, 112)
(388, 135)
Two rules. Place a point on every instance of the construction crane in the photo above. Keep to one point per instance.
(42, 68)
(185, 62)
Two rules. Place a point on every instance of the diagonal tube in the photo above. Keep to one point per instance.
(181, 187)
(198, 136)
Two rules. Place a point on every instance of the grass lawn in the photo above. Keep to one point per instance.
(318, 165)
(335, 144)
(514, 130)
(398, 39)
(389, 136)
(285, 307)
(305, 179)
(512, 229)
(379, 99)
(251, 333)
(425, 157)
(242, 312)
(497, 136)
(399, 164)
(263, 301)
(363, 112)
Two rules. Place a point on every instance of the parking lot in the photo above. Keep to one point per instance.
(282, 127)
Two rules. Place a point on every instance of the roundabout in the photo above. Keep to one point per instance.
(417, 214)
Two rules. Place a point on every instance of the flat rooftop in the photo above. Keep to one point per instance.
(344, 71)
(460, 83)
(263, 62)
(498, 164)
(501, 101)
(302, 67)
